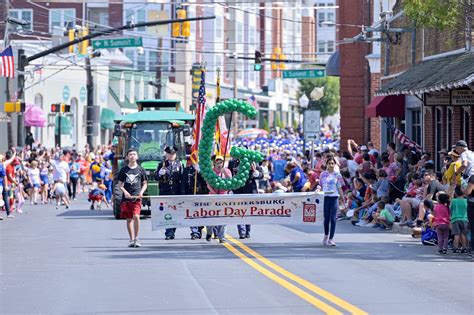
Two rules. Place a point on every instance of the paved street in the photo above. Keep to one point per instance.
(76, 262)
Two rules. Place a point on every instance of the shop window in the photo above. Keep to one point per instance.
(416, 126)
(438, 134)
(466, 122)
(449, 128)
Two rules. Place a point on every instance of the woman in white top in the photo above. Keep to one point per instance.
(35, 182)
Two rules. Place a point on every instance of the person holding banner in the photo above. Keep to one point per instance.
(168, 175)
(223, 172)
(132, 181)
(250, 187)
(192, 183)
(331, 183)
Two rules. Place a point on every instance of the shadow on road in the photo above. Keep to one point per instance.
(288, 251)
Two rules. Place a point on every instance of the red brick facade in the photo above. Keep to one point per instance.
(375, 132)
(354, 71)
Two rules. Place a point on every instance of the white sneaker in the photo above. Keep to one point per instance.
(19, 211)
(131, 243)
(10, 216)
(331, 243)
(325, 240)
(137, 243)
(369, 225)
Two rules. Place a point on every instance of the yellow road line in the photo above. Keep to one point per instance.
(284, 283)
(308, 285)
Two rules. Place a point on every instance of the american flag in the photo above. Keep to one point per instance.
(403, 138)
(200, 112)
(7, 68)
(252, 100)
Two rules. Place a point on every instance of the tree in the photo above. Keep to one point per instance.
(441, 14)
(329, 104)
(266, 125)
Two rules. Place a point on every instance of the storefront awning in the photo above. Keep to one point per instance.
(386, 106)
(107, 117)
(66, 127)
(333, 65)
(433, 75)
(126, 104)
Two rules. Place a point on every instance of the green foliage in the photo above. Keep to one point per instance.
(295, 124)
(266, 125)
(329, 104)
(278, 122)
(441, 14)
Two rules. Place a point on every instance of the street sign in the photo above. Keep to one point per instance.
(311, 125)
(117, 42)
(304, 74)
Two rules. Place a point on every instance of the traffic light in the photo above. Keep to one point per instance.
(60, 108)
(186, 29)
(282, 65)
(274, 65)
(71, 36)
(14, 107)
(176, 29)
(258, 61)
(84, 44)
(181, 29)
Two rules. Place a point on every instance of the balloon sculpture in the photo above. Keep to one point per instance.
(246, 157)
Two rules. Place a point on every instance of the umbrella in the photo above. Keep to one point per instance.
(34, 116)
(252, 133)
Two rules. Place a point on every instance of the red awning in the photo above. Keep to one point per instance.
(386, 106)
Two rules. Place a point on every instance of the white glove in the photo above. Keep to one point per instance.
(162, 172)
(256, 174)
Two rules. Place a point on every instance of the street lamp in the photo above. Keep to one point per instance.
(304, 101)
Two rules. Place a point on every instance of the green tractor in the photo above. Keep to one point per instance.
(157, 124)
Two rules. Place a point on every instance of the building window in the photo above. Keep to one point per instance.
(23, 14)
(438, 134)
(99, 16)
(321, 18)
(239, 32)
(449, 128)
(466, 121)
(240, 67)
(218, 27)
(152, 60)
(321, 46)
(61, 18)
(330, 46)
(130, 55)
(136, 16)
(141, 62)
(330, 17)
(416, 126)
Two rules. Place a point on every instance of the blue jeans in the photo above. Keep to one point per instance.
(368, 211)
(170, 232)
(6, 199)
(108, 191)
(220, 231)
(330, 212)
(243, 229)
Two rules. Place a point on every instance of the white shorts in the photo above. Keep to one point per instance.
(60, 190)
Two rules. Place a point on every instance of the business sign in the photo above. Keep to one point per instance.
(117, 42)
(66, 93)
(462, 97)
(437, 98)
(304, 74)
(187, 211)
(311, 125)
(83, 94)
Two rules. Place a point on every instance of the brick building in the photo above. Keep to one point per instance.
(436, 79)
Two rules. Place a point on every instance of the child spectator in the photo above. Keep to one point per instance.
(35, 181)
(459, 221)
(383, 218)
(59, 192)
(97, 194)
(441, 222)
(382, 186)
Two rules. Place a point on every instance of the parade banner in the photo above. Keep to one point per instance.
(204, 210)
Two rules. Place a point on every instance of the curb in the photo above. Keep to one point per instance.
(401, 229)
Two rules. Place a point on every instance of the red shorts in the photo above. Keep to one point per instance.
(95, 197)
(129, 208)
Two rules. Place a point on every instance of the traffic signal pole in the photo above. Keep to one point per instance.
(91, 119)
(23, 60)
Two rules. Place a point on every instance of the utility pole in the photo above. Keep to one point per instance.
(22, 61)
(6, 41)
(158, 68)
(91, 117)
